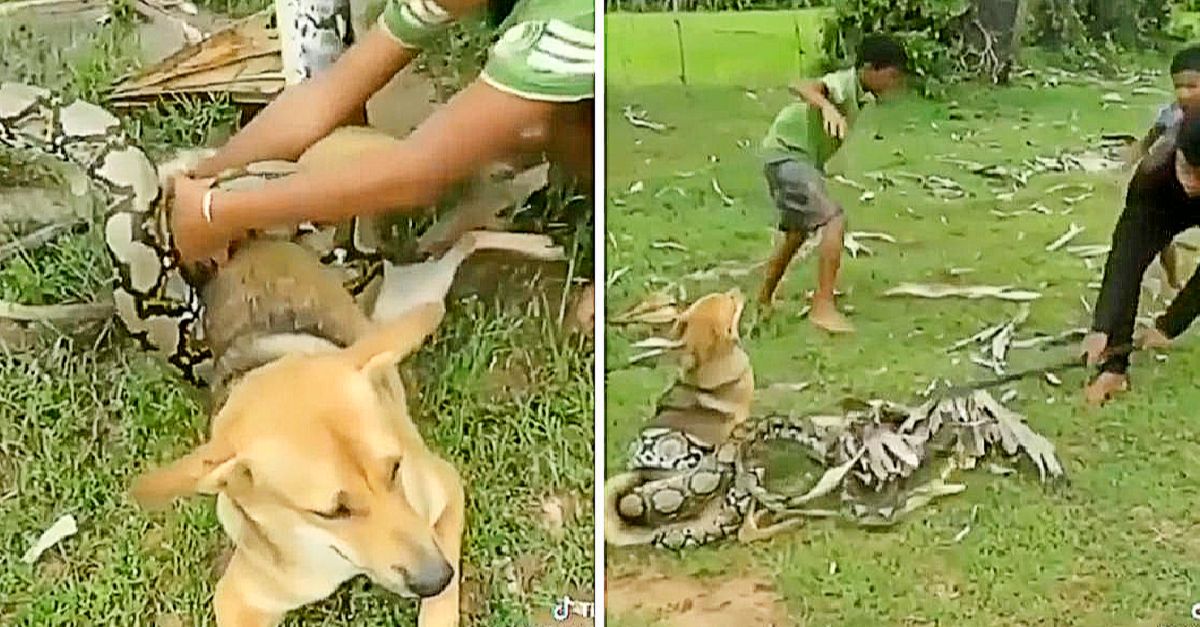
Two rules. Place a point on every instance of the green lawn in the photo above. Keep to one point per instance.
(743, 48)
(1119, 548)
(502, 391)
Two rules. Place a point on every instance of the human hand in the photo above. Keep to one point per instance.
(835, 122)
(1093, 347)
(194, 236)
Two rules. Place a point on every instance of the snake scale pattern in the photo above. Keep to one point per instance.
(156, 300)
(682, 492)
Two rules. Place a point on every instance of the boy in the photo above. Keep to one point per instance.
(1185, 74)
(1162, 202)
(535, 94)
(801, 140)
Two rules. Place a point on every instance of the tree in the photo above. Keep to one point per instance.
(951, 40)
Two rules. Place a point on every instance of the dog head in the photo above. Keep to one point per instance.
(316, 469)
(708, 330)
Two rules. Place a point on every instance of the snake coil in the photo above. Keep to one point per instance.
(155, 299)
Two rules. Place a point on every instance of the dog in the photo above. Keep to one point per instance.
(319, 473)
(711, 396)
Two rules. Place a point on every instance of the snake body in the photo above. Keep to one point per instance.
(156, 299)
(683, 491)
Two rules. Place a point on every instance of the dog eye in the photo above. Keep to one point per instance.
(395, 474)
(338, 513)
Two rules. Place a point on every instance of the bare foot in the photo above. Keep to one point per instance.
(1153, 339)
(1104, 388)
(827, 317)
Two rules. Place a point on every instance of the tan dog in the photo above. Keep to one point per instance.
(320, 474)
(712, 395)
(713, 364)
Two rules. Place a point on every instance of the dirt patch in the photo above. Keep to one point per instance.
(744, 601)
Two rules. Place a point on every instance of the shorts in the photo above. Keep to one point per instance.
(798, 189)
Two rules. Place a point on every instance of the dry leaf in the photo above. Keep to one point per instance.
(1012, 425)
(791, 387)
(615, 276)
(62, 529)
(882, 237)
(638, 119)
(925, 494)
(667, 245)
(657, 308)
(972, 292)
(658, 342)
(725, 198)
(411, 285)
(1089, 250)
(845, 181)
(1002, 471)
(1066, 237)
(830, 480)
(853, 247)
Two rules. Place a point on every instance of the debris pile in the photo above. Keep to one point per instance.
(881, 454)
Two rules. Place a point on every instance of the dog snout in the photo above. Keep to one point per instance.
(430, 579)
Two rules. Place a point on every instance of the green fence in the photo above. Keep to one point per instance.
(730, 48)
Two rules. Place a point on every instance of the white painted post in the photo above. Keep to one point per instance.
(312, 35)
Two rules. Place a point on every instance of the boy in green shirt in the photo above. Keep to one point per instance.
(801, 140)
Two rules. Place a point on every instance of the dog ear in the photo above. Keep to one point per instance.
(700, 334)
(390, 342)
(205, 470)
(733, 331)
(423, 492)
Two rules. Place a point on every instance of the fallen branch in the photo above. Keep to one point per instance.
(82, 312)
(971, 292)
(9, 8)
(34, 239)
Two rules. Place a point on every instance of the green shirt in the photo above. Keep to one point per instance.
(799, 129)
(546, 52)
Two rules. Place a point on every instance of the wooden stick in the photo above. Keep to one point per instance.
(8, 8)
(34, 239)
(82, 312)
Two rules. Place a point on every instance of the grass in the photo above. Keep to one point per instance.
(664, 48)
(502, 392)
(1119, 548)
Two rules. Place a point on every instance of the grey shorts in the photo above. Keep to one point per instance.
(798, 189)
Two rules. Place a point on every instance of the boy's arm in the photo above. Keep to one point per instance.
(478, 126)
(1139, 236)
(306, 112)
(816, 94)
